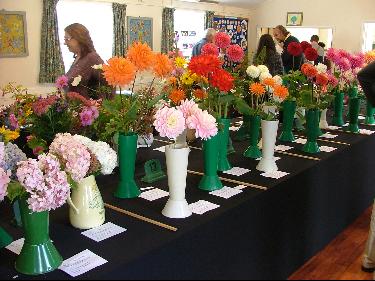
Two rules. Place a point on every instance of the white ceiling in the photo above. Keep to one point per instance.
(241, 3)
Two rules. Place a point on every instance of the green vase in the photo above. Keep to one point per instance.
(338, 106)
(312, 122)
(353, 115)
(370, 120)
(5, 238)
(210, 180)
(230, 146)
(289, 111)
(253, 150)
(38, 254)
(353, 92)
(17, 221)
(244, 132)
(127, 187)
(223, 163)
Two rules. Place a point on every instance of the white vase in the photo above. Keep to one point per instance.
(300, 114)
(270, 109)
(269, 135)
(86, 205)
(323, 120)
(177, 157)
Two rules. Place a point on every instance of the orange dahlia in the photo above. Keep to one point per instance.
(119, 72)
(222, 80)
(270, 82)
(309, 70)
(257, 89)
(200, 94)
(177, 96)
(162, 65)
(204, 65)
(281, 92)
(172, 80)
(141, 56)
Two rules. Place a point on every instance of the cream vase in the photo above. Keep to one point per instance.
(269, 135)
(86, 205)
(323, 120)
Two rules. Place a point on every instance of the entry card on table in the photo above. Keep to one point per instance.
(283, 148)
(301, 141)
(237, 171)
(329, 136)
(334, 128)
(366, 132)
(103, 232)
(16, 246)
(226, 192)
(154, 194)
(327, 149)
(234, 129)
(82, 263)
(160, 149)
(275, 175)
(202, 207)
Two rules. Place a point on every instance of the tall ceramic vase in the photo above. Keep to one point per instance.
(244, 132)
(312, 123)
(289, 110)
(127, 187)
(253, 150)
(177, 157)
(269, 136)
(86, 205)
(5, 238)
(370, 112)
(210, 180)
(323, 124)
(338, 105)
(353, 114)
(38, 254)
(223, 163)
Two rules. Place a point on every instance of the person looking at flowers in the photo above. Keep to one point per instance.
(210, 38)
(284, 37)
(271, 57)
(84, 76)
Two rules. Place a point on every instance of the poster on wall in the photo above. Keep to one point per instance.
(140, 30)
(237, 28)
(13, 34)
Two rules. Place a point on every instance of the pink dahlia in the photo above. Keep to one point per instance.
(62, 82)
(188, 107)
(210, 49)
(357, 60)
(332, 80)
(235, 53)
(344, 64)
(169, 122)
(204, 124)
(332, 55)
(222, 40)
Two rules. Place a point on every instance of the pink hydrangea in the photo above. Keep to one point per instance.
(210, 49)
(46, 184)
(4, 181)
(2, 154)
(222, 40)
(235, 53)
(204, 124)
(188, 107)
(75, 156)
(169, 122)
(62, 82)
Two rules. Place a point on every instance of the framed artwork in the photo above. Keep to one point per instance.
(13, 34)
(294, 19)
(140, 30)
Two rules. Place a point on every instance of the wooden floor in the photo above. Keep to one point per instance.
(341, 259)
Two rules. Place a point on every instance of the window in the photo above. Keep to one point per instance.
(369, 37)
(189, 28)
(97, 17)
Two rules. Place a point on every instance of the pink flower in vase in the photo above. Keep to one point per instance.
(235, 53)
(169, 122)
(4, 181)
(62, 82)
(38, 150)
(13, 122)
(87, 117)
(204, 124)
(222, 40)
(210, 49)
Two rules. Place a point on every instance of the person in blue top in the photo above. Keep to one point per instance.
(210, 38)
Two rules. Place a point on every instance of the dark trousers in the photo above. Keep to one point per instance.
(366, 78)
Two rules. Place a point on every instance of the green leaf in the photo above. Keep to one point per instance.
(243, 107)
(15, 190)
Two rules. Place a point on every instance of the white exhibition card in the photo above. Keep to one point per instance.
(334, 128)
(160, 149)
(16, 246)
(82, 263)
(226, 192)
(234, 129)
(275, 175)
(329, 136)
(283, 148)
(202, 207)
(366, 132)
(154, 194)
(301, 141)
(103, 232)
(327, 149)
(237, 171)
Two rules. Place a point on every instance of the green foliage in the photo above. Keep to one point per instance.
(261, 58)
(15, 190)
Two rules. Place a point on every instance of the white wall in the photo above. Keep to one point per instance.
(26, 70)
(346, 17)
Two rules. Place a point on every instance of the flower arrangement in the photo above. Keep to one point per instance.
(173, 121)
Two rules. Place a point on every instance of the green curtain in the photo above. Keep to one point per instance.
(168, 34)
(119, 29)
(51, 61)
(209, 20)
